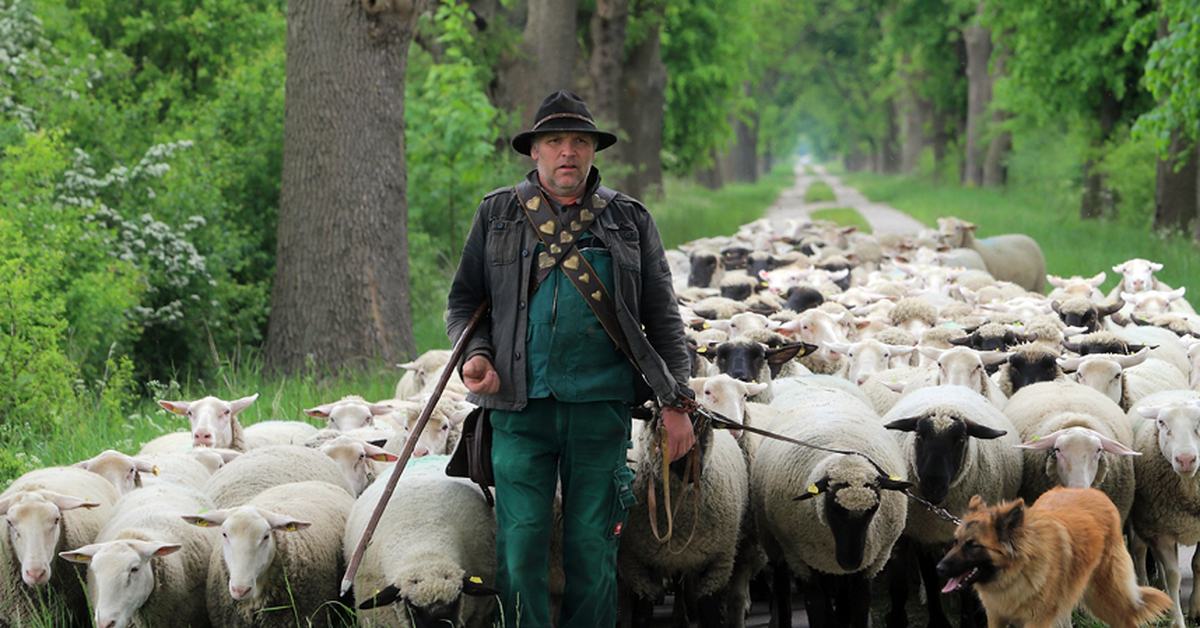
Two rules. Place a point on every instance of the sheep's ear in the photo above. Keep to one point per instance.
(1150, 412)
(83, 554)
(178, 407)
(1098, 279)
(66, 502)
(320, 412)
(1113, 447)
(238, 405)
(473, 585)
(780, 355)
(904, 425)
(982, 431)
(377, 454)
(148, 549)
(894, 484)
(820, 486)
(285, 523)
(207, 518)
(387, 596)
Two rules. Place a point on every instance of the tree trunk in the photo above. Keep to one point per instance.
(914, 113)
(1196, 162)
(550, 37)
(608, 49)
(995, 165)
(745, 148)
(341, 290)
(643, 101)
(1175, 187)
(889, 146)
(1097, 200)
(978, 42)
(941, 142)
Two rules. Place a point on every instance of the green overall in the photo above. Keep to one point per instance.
(574, 428)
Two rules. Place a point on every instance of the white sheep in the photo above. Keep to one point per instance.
(357, 459)
(213, 421)
(418, 372)
(956, 445)
(1167, 433)
(122, 470)
(867, 357)
(259, 469)
(849, 512)
(1011, 257)
(960, 366)
(1076, 286)
(279, 560)
(1125, 378)
(705, 537)
(433, 554)
(1047, 415)
(127, 473)
(269, 433)
(1137, 276)
(353, 412)
(49, 510)
(441, 432)
(147, 566)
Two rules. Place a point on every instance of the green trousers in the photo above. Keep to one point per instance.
(584, 445)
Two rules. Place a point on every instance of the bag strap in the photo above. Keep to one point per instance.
(560, 236)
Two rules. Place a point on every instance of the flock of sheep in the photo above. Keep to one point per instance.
(930, 364)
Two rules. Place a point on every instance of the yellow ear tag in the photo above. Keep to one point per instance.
(476, 579)
(155, 469)
(701, 349)
(707, 326)
(893, 478)
(380, 458)
(814, 490)
(202, 523)
(84, 558)
(291, 527)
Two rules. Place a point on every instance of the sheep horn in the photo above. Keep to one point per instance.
(1072, 346)
(1056, 306)
(1106, 310)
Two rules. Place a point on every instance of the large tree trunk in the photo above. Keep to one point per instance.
(341, 289)
(914, 113)
(1175, 187)
(1097, 200)
(978, 42)
(995, 165)
(745, 147)
(941, 143)
(643, 100)
(608, 49)
(543, 62)
(889, 145)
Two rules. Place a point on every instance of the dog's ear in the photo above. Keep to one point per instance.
(976, 503)
(1009, 518)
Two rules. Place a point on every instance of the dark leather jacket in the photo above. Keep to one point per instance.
(497, 263)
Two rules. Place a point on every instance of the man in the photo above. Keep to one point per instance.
(558, 385)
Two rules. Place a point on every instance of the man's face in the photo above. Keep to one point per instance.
(563, 161)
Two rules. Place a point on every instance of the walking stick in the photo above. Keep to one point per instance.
(455, 355)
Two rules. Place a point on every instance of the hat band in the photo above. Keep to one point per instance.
(554, 116)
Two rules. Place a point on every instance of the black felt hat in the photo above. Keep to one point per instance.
(563, 111)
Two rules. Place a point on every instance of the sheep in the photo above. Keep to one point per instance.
(1125, 378)
(751, 361)
(356, 458)
(884, 388)
(914, 314)
(707, 268)
(352, 412)
(214, 422)
(818, 328)
(867, 357)
(1137, 275)
(1027, 364)
(49, 510)
(831, 514)
(716, 308)
(1083, 312)
(147, 566)
(1154, 302)
(1056, 454)
(802, 297)
(279, 558)
(259, 469)
(1011, 257)
(956, 444)
(441, 432)
(1077, 286)
(125, 472)
(418, 372)
(708, 534)
(960, 366)
(1167, 495)
(739, 286)
(896, 337)
(433, 555)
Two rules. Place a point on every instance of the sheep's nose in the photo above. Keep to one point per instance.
(106, 624)
(1186, 463)
(420, 452)
(239, 592)
(36, 576)
(202, 438)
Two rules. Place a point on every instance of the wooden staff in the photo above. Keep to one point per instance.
(455, 355)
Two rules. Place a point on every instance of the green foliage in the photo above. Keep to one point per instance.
(1129, 165)
(1171, 72)
(843, 216)
(691, 211)
(819, 192)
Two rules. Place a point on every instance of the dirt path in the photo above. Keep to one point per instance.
(791, 205)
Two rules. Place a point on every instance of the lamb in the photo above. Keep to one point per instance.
(956, 445)
(49, 510)
(820, 329)
(352, 412)
(279, 560)
(1049, 416)
(1167, 497)
(707, 537)
(1125, 378)
(833, 514)
(418, 372)
(147, 566)
(214, 422)
(1012, 257)
(259, 469)
(433, 555)
(1154, 302)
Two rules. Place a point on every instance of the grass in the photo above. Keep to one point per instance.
(690, 211)
(819, 192)
(1071, 246)
(843, 216)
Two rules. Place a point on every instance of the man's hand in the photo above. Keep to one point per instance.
(480, 377)
(680, 437)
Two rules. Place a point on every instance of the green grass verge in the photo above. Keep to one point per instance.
(819, 192)
(691, 211)
(843, 216)
(1071, 246)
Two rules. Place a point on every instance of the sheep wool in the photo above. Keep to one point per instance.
(257, 470)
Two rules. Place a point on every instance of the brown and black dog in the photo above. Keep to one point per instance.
(1032, 566)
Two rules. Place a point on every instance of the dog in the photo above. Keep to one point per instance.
(1032, 565)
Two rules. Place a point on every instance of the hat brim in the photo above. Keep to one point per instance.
(523, 142)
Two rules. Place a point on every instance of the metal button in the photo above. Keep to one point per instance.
(518, 356)
(521, 305)
(524, 252)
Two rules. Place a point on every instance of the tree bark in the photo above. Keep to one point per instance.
(745, 147)
(341, 290)
(1097, 200)
(978, 42)
(608, 49)
(914, 113)
(550, 37)
(643, 101)
(995, 165)
(889, 145)
(1175, 183)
